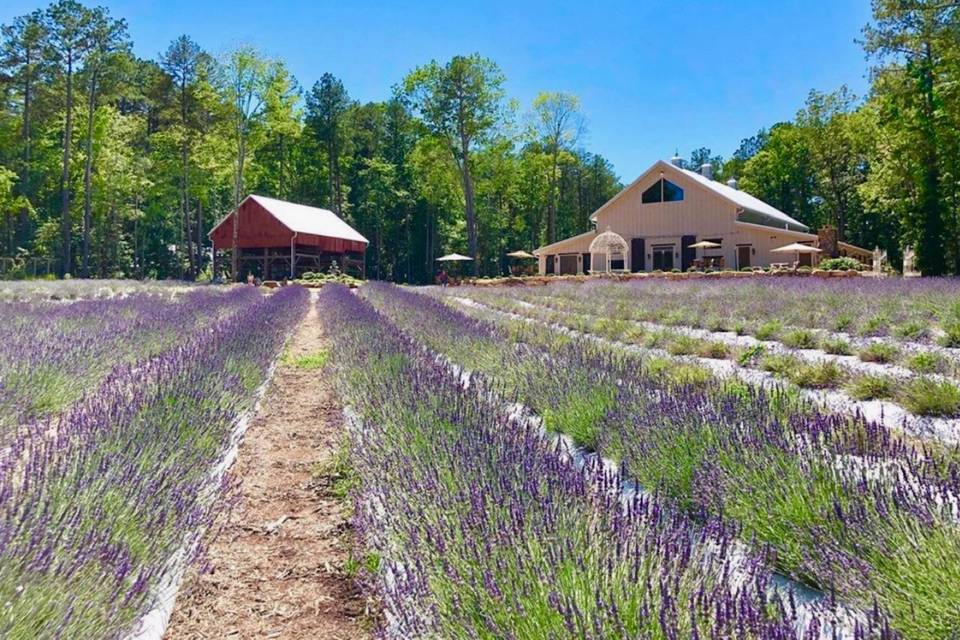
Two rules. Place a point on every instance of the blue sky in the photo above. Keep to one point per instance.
(653, 76)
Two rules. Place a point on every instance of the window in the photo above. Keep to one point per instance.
(662, 191)
(671, 192)
(653, 194)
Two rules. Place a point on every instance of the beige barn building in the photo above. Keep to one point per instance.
(669, 208)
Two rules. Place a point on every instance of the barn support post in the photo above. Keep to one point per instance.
(264, 275)
(293, 256)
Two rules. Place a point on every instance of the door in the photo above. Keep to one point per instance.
(805, 260)
(568, 265)
(663, 258)
(687, 255)
(743, 256)
(586, 263)
(638, 255)
(549, 265)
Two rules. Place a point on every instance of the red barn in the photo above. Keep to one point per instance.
(278, 239)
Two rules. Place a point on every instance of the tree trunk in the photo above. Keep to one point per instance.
(65, 175)
(471, 213)
(200, 236)
(930, 254)
(281, 188)
(237, 188)
(22, 231)
(552, 203)
(185, 182)
(87, 177)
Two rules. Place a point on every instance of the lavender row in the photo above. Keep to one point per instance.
(95, 513)
(482, 530)
(909, 311)
(847, 507)
(925, 395)
(53, 353)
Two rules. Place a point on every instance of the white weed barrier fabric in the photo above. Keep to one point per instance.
(835, 621)
(889, 414)
(154, 623)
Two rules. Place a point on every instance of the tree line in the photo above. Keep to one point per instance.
(883, 169)
(113, 165)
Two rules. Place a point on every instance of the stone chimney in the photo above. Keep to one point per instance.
(732, 183)
(706, 170)
(828, 242)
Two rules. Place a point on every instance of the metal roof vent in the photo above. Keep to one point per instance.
(706, 170)
(732, 183)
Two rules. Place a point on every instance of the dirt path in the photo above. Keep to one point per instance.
(278, 566)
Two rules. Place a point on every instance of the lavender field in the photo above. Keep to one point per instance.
(652, 460)
(116, 414)
(572, 461)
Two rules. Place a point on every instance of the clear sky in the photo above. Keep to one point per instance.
(653, 75)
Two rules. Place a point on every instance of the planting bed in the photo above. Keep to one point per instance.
(925, 403)
(835, 496)
(112, 487)
(476, 528)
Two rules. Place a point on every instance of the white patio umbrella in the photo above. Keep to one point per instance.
(520, 254)
(704, 245)
(453, 257)
(797, 248)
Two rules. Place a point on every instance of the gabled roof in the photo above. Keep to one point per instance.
(300, 218)
(763, 213)
(553, 245)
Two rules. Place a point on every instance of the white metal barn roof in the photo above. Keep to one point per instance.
(303, 219)
(747, 201)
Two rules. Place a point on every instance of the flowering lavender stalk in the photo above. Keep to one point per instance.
(835, 496)
(96, 508)
(482, 531)
(54, 352)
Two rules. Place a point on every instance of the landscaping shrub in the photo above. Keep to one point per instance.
(841, 264)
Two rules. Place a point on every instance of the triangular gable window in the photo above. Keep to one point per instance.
(662, 191)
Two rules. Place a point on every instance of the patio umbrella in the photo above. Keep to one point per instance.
(453, 257)
(704, 244)
(797, 248)
(520, 254)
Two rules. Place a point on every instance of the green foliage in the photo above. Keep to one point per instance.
(881, 352)
(926, 362)
(840, 264)
(836, 346)
(927, 397)
(799, 339)
(871, 387)
(768, 330)
(312, 361)
(817, 375)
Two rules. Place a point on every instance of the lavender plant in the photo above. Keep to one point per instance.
(481, 530)
(102, 506)
(833, 495)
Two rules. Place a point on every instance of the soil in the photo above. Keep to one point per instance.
(277, 569)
